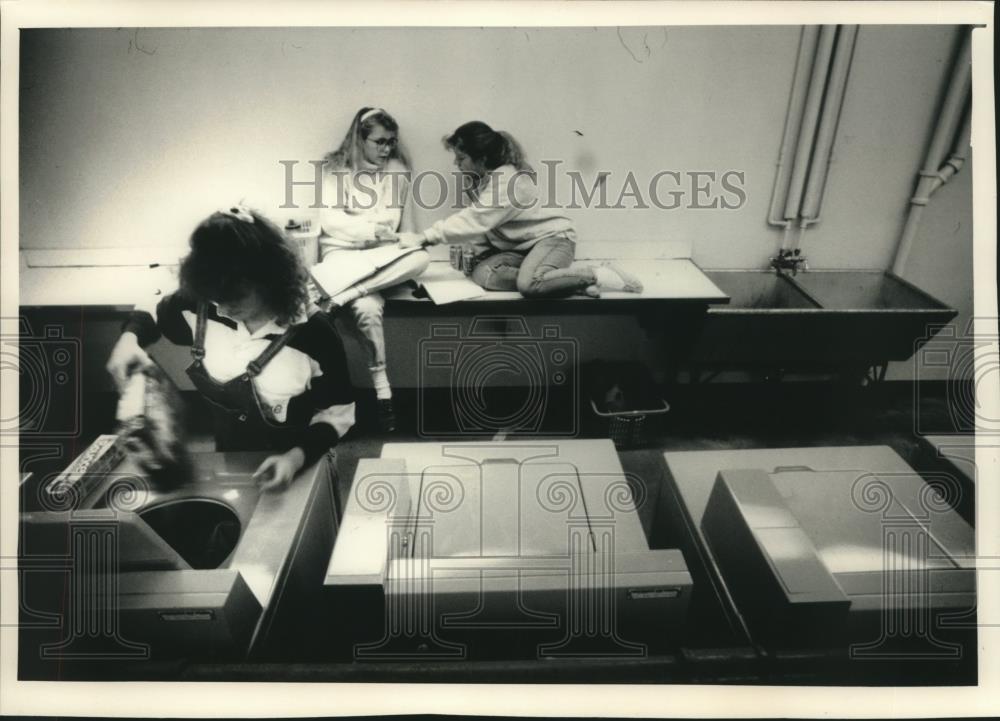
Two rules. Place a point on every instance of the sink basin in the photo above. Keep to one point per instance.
(872, 316)
(865, 290)
(758, 290)
(818, 320)
(763, 323)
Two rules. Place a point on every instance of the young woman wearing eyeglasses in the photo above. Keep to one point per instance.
(366, 193)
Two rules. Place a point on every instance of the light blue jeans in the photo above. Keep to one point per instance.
(542, 271)
(369, 309)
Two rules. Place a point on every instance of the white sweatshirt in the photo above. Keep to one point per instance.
(358, 202)
(507, 214)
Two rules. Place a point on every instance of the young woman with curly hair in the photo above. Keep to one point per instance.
(269, 362)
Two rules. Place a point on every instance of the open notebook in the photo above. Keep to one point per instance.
(340, 271)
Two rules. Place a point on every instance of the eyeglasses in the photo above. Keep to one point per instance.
(384, 142)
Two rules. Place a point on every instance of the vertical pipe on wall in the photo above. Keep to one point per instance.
(958, 91)
(810, 118)
(832, 106)
(952, 166)
(959, 152)
(808, 39)
(932, 176)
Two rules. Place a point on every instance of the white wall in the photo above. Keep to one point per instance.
(113, 136)
(130, 137)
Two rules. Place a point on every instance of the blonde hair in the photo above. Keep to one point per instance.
(350, 155)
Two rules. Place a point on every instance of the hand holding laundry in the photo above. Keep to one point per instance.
(126, 358)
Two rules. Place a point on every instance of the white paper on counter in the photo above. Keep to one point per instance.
(450, 290)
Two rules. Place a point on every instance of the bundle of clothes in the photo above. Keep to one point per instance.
(150, 427)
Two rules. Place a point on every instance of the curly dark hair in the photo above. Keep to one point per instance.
(234, 253)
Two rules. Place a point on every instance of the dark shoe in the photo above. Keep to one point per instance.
(386, 415)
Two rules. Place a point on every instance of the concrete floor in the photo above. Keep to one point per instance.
(702, 417)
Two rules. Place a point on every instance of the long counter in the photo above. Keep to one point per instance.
(120, 277)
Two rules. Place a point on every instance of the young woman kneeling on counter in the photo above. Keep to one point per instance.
(518, 243)
(270, 363)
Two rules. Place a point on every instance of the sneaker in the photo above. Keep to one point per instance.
(386, 415)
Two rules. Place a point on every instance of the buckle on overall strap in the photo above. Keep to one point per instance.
(197, 353)
(253, 369)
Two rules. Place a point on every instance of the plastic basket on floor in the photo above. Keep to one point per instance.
(628, 429)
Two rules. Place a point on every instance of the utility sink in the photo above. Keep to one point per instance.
(815, 319)
(758, 290)
(867, 291)
(764, 322)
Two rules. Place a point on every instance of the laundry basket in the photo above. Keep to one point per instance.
(625, 401)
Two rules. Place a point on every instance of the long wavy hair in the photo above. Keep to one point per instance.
(492, 148)
(350, 156)
(236, 251)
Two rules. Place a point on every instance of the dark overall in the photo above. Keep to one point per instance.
(240, 422)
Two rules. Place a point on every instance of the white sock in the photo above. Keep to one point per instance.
(380, 379)
(607, 279)
(610, 277)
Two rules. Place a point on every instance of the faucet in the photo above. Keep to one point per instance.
(788, 259)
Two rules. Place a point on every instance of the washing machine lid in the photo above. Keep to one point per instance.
(492, 501)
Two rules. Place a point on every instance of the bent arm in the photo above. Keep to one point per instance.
(501, 199)
(331, 390)
(169, 321)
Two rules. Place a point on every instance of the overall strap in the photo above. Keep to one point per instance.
(255, 366)
(198, 347)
